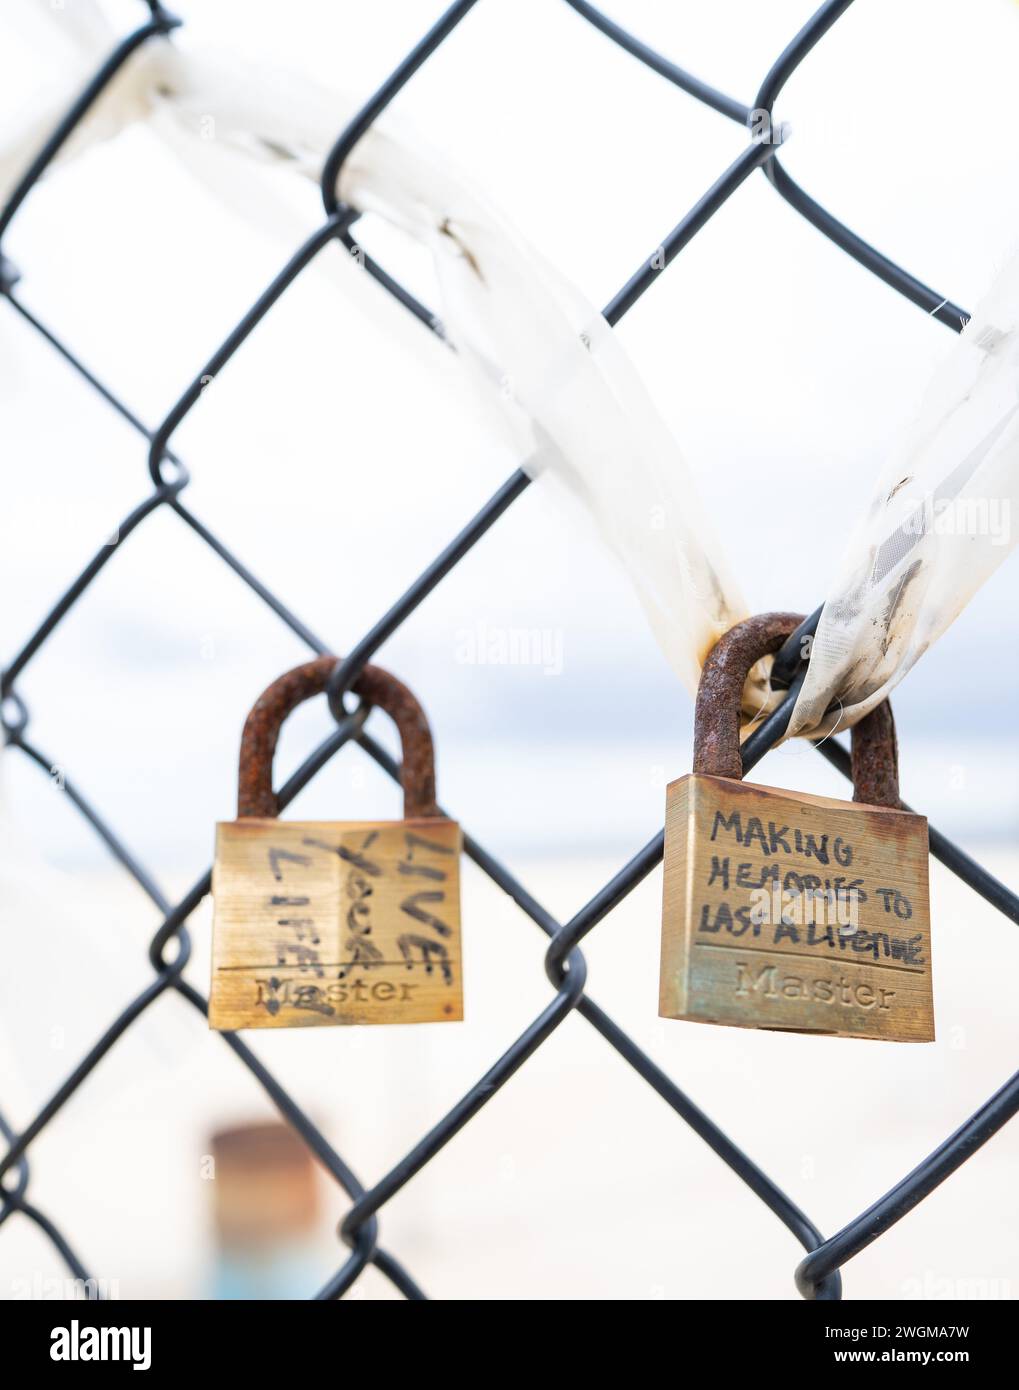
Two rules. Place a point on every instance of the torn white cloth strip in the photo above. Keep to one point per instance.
(554, 375)
(938, 525)
(552, 372)
(560, 384)
(563, 391)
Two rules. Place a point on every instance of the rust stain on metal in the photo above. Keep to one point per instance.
(717, 716)
(716, 748)
(876, 758)
(255, 796)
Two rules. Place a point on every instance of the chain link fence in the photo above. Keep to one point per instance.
(817, 1275)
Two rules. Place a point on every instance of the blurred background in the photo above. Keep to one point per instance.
(336, 455)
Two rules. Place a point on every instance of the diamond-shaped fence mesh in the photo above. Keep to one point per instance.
(817, 1275)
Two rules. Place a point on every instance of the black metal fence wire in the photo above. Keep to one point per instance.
(817, 1275)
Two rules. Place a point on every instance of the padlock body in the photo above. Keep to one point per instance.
(795, 912)
(324, 923)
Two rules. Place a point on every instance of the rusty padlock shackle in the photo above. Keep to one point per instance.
(255, 796)
(716, 749)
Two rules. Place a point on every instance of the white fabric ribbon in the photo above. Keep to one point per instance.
(544, 358)
(561, 386)
(938, 525)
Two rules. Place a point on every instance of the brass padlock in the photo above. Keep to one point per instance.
(784, 910)
(317, 922)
